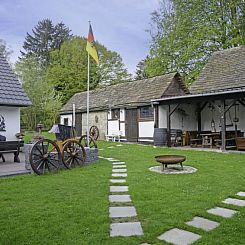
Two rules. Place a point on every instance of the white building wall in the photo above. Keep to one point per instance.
(68, 116)
(183, 118)
(12, 121)
(113, 127)
(146, 129)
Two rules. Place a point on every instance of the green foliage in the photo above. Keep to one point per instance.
(5, 49)
(185, 34)
(69, 66)
(141, 72)
(45, 105)
(45, 38)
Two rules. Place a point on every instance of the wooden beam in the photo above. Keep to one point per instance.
(241, 102)
(169, 126)
(173, 110)
(223, 127)
(203, 105)
(199, 119)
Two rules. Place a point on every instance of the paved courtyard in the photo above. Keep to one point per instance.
(10, 168)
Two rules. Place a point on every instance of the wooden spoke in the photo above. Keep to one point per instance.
(94, 132)
(45, 156)
(71, 151)
(83, 141)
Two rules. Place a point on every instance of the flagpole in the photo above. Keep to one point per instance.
(88, 100)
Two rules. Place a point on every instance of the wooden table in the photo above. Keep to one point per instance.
(208, 138)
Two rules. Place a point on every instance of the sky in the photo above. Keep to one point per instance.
(120, 25)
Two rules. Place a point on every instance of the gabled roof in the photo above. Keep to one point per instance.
(128, 94)
(11, 91)
(225, 70)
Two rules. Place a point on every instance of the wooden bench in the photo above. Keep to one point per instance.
(240, 143)
(115, 135)
(11, 147)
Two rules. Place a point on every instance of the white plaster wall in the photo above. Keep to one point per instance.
(122, 128)
(146, 129)
(109, 115)
(122, 114)
(113, 127)
(12, 121)
(188, 121)
(69, 116)
(207, 116)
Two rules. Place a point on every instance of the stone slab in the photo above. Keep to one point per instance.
(122, 212)
(110, 147)
(223, 212)
(241, 193)
(234, 201)
(123, 170)
(202, 223)
(120, 198)
(119, 166)
(117, 180)
(119, 145)
(145, 244)
(119, 175)
(118, 163)
(126, 229)
(179, 237)
(118, 188)
(111, 159)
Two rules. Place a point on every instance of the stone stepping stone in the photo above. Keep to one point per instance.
(126, 229)
(119, 175)
(234, 201)
(145, 244)
(117, 180)
(119, 145)
(241, 194)
(118, 163)
(110, 159)
(119, 166)
(118, 188)
(110, 147)
(204, 224)
(120, 198)
(179, 237)
(122, 212)
(223, 212)
(123, 170)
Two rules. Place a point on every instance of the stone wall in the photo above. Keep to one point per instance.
(99, 119)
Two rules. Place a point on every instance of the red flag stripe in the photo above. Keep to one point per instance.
(90, 35)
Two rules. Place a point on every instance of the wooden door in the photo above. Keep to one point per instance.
(131, 128)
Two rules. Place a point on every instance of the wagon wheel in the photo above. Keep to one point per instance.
(84, 142)
(94, 132)
(73, 154)
(45, 157)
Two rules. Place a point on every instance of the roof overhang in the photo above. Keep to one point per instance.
(191, 98)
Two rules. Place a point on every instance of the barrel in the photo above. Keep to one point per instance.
(160, 136)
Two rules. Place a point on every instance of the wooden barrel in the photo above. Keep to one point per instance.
(160, 136)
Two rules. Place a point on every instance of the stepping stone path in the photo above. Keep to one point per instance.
(241, 194)
(179, 237)
(234, 201)
(204, 224)
(119, 196)
(223, 212)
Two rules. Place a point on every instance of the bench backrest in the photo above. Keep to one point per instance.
(10, 145)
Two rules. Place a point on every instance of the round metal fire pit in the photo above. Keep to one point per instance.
(165, 160)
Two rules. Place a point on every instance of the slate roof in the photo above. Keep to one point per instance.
(126, 94)
(225, 70)
(11, 91)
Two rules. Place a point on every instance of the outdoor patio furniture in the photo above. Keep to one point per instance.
(166, 160)
(240, 143)
(11, 147)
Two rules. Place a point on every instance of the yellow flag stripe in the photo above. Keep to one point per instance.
(92, 51)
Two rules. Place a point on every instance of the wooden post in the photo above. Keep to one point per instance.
(168, 127)
(199, 119)
(223, 127)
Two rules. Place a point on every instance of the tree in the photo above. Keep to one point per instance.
(141, 72)
(45, 103)
(4, 49)
(186, 33)
(45, 37)
(68, 68)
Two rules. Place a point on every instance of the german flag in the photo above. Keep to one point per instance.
(90, 45)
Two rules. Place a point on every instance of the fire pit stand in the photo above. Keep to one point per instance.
(166, 160)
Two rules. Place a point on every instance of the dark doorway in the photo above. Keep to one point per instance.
(131, 125)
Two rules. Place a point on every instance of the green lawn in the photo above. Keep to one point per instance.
(71, 207)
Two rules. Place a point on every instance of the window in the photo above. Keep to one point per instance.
(66, 121)
(115, 114)
(147, 112)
